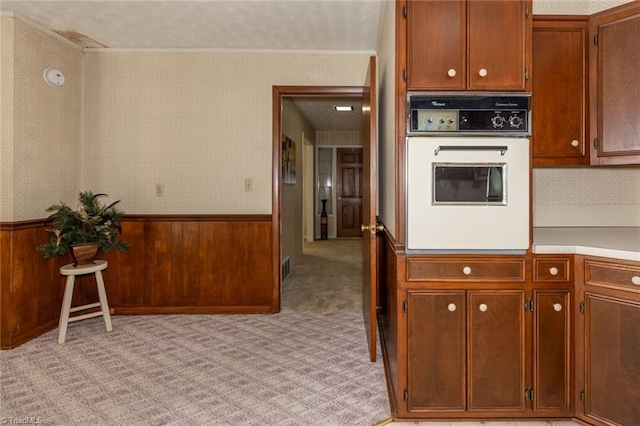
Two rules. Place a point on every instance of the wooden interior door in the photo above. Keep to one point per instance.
(369, 191)
(349, 192)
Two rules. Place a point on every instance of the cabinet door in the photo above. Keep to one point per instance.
(436, 351)
(612, 360)
(436, 32)
(496, 345)
(552, 358)
(497, 44)
(560, 92)
(617, 87)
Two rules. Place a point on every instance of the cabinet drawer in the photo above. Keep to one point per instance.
(502, 270)
(555, 270)
(624, 277)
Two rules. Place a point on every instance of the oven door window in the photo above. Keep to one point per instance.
(469, 184)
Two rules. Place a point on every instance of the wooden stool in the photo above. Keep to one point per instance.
(71, 272)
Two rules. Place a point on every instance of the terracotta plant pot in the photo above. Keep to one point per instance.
(83, 253)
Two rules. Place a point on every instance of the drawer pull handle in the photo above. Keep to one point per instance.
(575, 142)
(635, 280)
(466, 270)
(451, 73)
(483, 308)
(553, 271)
(557, 307)
(482, 73)
(452, 307)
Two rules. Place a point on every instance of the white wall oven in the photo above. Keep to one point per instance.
(467, 187)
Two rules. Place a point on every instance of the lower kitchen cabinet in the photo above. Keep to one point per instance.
(612, 352)
(610, 391)
(555, 337)
(436, 333)
(466, 351)
(552, 366)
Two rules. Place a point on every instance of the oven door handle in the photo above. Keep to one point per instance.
(502, 149)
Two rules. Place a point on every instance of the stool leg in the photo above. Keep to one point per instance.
(104, 305)
(66, 307)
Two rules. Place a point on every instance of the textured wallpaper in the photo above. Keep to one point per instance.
(6, 118)
(586, 186)
(46, 124)
(199, 122)
(574, 7)
(590, 196)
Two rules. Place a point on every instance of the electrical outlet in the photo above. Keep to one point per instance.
(159, 189)
(248, 184)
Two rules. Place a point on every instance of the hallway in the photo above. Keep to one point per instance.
(328, 278)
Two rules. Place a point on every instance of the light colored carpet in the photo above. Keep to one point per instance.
(287, 369)
(328, 278)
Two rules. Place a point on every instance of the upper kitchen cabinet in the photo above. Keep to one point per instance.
(615, 85)
(560, 81)
(468, 45)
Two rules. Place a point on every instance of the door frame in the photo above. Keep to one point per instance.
(276, 198)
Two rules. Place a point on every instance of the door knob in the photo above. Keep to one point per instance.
(374, 228)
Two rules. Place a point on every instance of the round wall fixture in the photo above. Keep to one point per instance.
(53, 77)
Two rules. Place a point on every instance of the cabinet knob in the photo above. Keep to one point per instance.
(451, 73)
(557, 307)
(553, 271)
(482, 72)
(466, 270)
(451, 307)
(483, 307)
(635, 280)
(575, 142)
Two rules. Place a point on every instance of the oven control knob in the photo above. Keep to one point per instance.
(451, 121)
(498, 121)
(428, 121)
(515, 121)
(442, 121)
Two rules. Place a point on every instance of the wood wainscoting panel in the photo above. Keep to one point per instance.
(176, 264)
(207, 263)
(5, 283)
(31, 286)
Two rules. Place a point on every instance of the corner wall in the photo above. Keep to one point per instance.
(41, 140)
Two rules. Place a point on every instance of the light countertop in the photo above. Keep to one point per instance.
(617, 243)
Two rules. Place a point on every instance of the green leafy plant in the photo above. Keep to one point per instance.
(91, 222)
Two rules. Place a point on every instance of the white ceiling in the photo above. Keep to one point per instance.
(340, 25)
(321, 114)
(289, 25)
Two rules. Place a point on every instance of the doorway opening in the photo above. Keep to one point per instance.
(297, 204)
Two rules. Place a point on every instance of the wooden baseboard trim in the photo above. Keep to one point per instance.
(32, 334)
(192, 310)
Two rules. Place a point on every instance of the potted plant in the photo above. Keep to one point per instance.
(92, 226)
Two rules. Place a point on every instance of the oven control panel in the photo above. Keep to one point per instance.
(468, 113)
